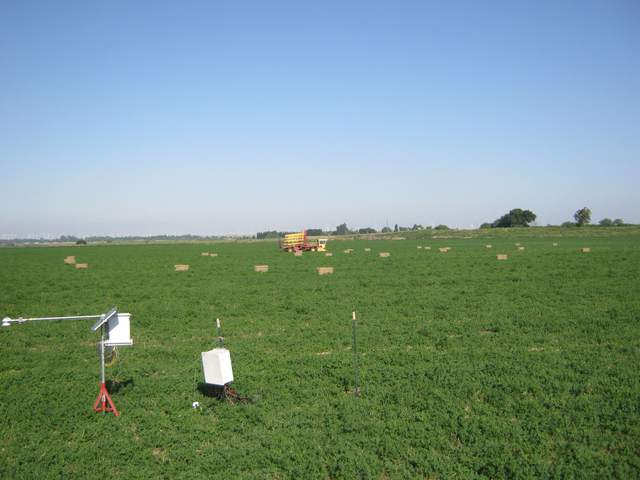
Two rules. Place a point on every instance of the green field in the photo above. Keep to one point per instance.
(470, 367)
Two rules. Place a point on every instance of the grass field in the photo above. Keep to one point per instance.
(470, 367)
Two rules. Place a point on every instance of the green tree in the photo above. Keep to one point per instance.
(395, 229)
(270, 234)
(342, 229)
(605, 222)
(367, 230)
(515, 218)
(441, 227)
(485, 225)
(618, 222)
(568, 224)
(314, 232)
(386, 230)
(582, 217)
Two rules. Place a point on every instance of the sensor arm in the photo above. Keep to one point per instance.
(6, 322)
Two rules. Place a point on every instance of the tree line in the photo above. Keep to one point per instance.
(343, 229)
(516, 217)
(523, 218)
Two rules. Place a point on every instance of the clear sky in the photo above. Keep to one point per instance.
(236, 117)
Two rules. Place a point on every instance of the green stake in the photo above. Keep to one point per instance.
(354, 324)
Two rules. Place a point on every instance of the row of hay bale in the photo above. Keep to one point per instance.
(325, 270)
(489, 246)
(321, 270)
(71, 260)
(260, 269)
(346, 252)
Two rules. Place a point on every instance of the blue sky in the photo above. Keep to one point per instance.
(237, 117)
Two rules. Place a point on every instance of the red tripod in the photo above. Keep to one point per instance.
(103, 401)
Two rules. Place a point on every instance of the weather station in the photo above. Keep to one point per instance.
(114, 332)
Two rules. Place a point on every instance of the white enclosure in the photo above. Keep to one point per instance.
(119, 332)
(216, 364)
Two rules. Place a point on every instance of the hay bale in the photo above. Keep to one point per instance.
(324, 270)
(419, 247)
(427, 248)
(444, 249)
(205, 254)
(585, 249)
(82, 265)
(297, 253)
(502, 256)
(367, 249)
(517, 244)
(520, 248)
(70, 260)
(328, 254)
(261, 268)
(488, 246)
(384, 254)
(213, 254)
(555, 244)
(181, 268)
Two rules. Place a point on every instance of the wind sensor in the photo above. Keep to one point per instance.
(114, 332)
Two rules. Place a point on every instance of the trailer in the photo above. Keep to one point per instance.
(298, 242)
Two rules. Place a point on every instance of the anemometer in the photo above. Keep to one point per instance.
(114, 332)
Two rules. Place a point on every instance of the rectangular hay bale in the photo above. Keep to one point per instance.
(384, 254)
(585, 249)
(324, 270)
(261, 268)
(82, 265)
(70, 260)
(181, 268)
(488, 246)
(521, 248)
(502, 256)
(328, 254)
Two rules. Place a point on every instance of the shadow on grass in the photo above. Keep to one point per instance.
(211, 391)
(114, 386)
